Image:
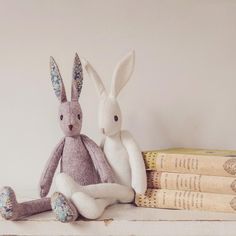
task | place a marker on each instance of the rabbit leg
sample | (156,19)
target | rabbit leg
(67,186)
(61,203)
(10,209)
(89,207)
(121,193)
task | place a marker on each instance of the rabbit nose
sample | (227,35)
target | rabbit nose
(70,127)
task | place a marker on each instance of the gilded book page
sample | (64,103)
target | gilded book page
(191,163)
(191,182)
(174,199)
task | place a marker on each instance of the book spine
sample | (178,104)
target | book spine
(191,182)
(186,200)
(191,164)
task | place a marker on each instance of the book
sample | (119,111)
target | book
(191,182)
(192,161)
(186,200)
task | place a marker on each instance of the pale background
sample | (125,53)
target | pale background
(183,91)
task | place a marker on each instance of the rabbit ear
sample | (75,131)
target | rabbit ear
(77,80)
(94,75)
(57,81)
(122,73)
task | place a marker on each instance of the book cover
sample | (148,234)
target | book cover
(191,182)
(192,161)
(186,200)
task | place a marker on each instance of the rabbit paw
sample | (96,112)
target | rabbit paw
(8,203)
(43,191)
(63,208)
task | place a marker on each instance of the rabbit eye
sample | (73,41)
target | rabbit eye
(61,117)
(78,116)
(115,118)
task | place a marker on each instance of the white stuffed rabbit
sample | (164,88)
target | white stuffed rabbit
(120,148)
(122,152)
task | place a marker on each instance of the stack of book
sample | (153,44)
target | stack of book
(191,179)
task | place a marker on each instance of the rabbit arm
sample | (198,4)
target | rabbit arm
(99,160)
(50,168)
(138,171)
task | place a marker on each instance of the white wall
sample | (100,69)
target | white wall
(183,92)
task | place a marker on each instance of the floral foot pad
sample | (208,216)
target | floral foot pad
(7,203)
(64,209)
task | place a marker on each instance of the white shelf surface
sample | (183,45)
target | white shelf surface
(126,219)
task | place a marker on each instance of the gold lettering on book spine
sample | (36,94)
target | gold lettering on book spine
(233,185)
(230,166)
(233,203)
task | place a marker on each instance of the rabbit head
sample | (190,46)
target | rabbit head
(110,118)
(70,114)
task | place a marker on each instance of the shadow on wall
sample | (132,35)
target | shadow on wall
(154,133)
(166,130)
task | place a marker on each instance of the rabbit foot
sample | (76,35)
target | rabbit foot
(63,208)
(8,204)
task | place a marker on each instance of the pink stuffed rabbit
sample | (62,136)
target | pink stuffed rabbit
(79,156)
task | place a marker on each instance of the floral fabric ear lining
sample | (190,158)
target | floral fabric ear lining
(78,75)
(57,82)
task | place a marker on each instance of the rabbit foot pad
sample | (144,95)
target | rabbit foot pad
(63,208)
(8,203)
